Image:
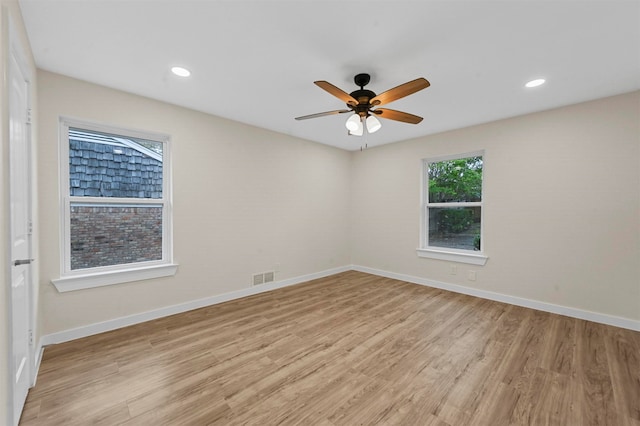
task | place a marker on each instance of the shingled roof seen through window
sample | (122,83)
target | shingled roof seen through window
(103,165)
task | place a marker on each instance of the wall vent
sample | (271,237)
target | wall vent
(258,279)
(263,277)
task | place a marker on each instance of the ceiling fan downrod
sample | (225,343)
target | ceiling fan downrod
(363,96)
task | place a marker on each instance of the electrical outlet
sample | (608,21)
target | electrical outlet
(471,275)
(453,269)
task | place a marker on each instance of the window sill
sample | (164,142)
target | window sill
(81,282)
(453,256)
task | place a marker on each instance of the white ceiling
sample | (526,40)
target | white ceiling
(255,61)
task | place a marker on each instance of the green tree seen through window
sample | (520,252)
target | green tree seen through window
(455,180)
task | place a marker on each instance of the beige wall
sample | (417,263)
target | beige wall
(245,199)
(562,203)
(562,206)
(9,13)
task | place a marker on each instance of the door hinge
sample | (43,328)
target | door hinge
(28,115)
(30,337)
(30,228)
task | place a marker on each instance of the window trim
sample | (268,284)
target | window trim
(445,253)
(114,274)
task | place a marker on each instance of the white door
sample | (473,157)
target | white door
(19,191)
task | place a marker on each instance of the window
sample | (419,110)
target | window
(116,206)
(452,209)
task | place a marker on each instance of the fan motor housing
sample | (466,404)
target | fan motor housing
(363,96)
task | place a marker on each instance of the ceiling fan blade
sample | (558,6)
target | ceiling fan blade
(322,114)
(401,91)
(392,114)
(337,92)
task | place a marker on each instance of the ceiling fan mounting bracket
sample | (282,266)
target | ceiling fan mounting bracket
(362,79)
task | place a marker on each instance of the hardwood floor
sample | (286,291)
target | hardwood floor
(350,349)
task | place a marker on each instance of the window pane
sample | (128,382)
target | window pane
(455,180)
(103,235)
(457,228)
(104,165)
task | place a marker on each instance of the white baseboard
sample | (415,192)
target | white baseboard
(101,327)
(39,352)
(96,328)
(512,300)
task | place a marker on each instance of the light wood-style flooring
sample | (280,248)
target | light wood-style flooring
(350,349)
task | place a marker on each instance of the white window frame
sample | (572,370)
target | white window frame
(444,253)
(114,274)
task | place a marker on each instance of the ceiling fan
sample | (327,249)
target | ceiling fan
(362,101)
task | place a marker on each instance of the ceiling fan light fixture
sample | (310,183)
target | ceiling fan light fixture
(353,123)
(373,124)
(358,132)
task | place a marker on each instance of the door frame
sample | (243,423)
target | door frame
(14,47)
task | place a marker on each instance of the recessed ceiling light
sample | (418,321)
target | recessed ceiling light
(535,83)
(182,72)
